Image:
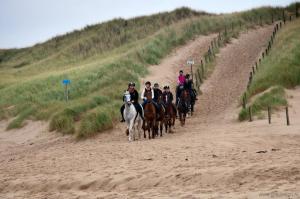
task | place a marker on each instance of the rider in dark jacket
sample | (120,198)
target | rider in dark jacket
(188,85)
(134,96)
(157,92)
(168,97)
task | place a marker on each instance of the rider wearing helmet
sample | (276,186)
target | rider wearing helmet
(148,91)
(157,92)
(181,78)
(157,95)
(168,97)
(188,85)
(180,84)
(134,96)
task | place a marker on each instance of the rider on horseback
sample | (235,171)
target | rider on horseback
(134,96)
(157,95)
(188,85)
(168,97)
(148,91)
(180,84)
(157,92)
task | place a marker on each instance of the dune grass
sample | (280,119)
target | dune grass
(280,69)
(30,79)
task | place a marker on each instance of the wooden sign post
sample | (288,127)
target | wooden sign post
(191,63)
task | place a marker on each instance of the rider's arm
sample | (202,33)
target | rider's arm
(136,97)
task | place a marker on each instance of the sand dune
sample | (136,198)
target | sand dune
(214,156)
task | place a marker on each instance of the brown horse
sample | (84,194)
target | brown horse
(170,116)
(183,106)
(150,117)
(160,121)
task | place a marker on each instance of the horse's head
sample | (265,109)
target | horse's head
(160,99)
(184,95)
(149,96)
(127,98)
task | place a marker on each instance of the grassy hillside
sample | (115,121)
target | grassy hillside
(279,70)
(99,60)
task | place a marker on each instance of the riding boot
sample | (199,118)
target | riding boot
(140,111)
(122,110)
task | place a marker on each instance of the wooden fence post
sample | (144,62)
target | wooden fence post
(250,114)
(287,115)
(269,114)
(260,19)
(202,69)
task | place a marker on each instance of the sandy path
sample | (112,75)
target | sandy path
(212,158)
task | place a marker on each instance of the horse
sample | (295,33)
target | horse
(160,121)
(150,117)
(170,116)
(192,101)
(183,106)
(132,118)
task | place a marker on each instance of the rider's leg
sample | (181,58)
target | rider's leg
(139,109)
(156,109)
(122,110)
(174,107)
(195,94)
(177,94)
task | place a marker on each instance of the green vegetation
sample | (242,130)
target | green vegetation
(279,70)
(99,60)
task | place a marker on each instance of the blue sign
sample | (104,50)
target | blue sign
(66,81)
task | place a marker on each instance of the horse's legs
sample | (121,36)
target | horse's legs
(161,127)
(149,127)
(154,127)
(139,127)
(131,131)
(144,128)
(166,126)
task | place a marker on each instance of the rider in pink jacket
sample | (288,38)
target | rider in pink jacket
(180,82)
(181,78)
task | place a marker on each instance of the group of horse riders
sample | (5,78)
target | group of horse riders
(158,97)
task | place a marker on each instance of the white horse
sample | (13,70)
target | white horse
(133,120)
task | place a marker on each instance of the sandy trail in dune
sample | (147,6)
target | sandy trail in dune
(214,156)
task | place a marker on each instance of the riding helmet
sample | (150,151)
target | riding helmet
(131,84)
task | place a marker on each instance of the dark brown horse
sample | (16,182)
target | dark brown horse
(170,116)
(183,106)
(150,117)
(160,121)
